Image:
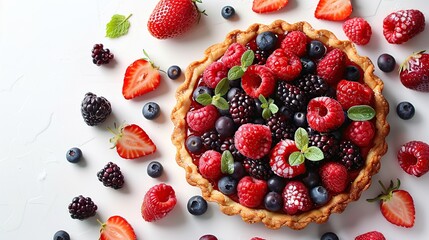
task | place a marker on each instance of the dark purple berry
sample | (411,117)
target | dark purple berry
(266,41)
(227,185)
(329,236)
(100,55)
(308,66)
(151,110)
(82,207)
(319,195)
(386,62)
(312,179)
(208,237)
(316,49)
(276,183)
(273,201)
(174,72)
(197,205)
(155,169)
(61,235)
(201,90)
(95,109)
(239,171)
(405,110)
(231,92)
(352,73)
(111,176)
(225,126)
(300,119)
(194,144)
(74,155)
(227,12)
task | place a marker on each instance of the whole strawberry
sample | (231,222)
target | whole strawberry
(414,72)
(172,18)
(401,26)
(373,235)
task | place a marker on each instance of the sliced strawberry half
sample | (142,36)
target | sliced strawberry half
(140,77)
(132,142)
(115,228)
(334,10)
(265,6)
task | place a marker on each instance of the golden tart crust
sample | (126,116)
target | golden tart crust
(271,219)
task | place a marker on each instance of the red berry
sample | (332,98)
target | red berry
(209,165)
(414,72)
(360,133)
(373,235)
(350,93)
(324,114)
(357,30)
(334,177)
(253,140)
(265,6)
(158,202)
(202,119)
(284,64)
(333,10)
(232,56)
(296,198)
(258,80)
(401,26)
(279,160)
(296,42)
(413,158)
(214,73)
(331,67)
(251,191)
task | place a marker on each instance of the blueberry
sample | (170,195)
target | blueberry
(224,112)
(239,171)
(74,155)
(405,110)
(276,183)
(225,126)
(285,111)
(316,49)
(266,41)
(154,169)
(174,72)
(194,144)
(151,110)
(61,235)
(312,179)
(197,205)
(273,201)
(308,66)
(231,93)
(329,236)
(227,12)
(386,62)
(319,195)
(259,109)
(260,121)
(235,83)
(200,90)
(352,73)
(227,185)
(208,237)
(300,119)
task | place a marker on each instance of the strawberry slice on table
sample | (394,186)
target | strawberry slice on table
(115,228)
(141,77)
(396,205)
(132,142)
(266,6)
(334,10)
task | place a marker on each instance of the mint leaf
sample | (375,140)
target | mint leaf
(266,113)
(247,58)
(273,108)
(118,26)
(361,113)
(262,99)
(301,138)
(227,163)
(220,102)
(235,72)
(313,154)
(222,87)
(296,158)
(204,99)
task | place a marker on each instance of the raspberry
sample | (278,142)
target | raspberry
(296,42)
(214,73)
(279,160)
(232,56)
(373,235)
(158,201)
(242,108)
(351,93)
(401,26)
(259,169)
(331,67)
(413,158)
(258,80)
(82,208)
(202,119)
(357,30)
(334,177)
(111,176)
(284,64)
(324,114)
(251,191)
(210,165)
(360,133)
(296,198)
(253,140)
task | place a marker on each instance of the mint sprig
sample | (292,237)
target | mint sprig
(237,72)
(311,153)
(118,26)
(361,113)
(227,162)
(217,100)
(268,107)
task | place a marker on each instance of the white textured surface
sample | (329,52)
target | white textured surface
(46,68)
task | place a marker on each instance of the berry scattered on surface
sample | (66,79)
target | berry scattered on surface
(197,205)
(158,201)
(331,66)
(131,142)
(253,140)
(100,55)
(329,236)
(174,72)
(154,169)
(350,93)
(111,176)
(373,235)
(296,198)
(210,165)
(117,227)
(413,158)
(316,49)
(258,80)
(82,208)
(251,191)
(414,72)
(202,119)
(352,73)
(324,114)
(360,133)
(228,185)
(141,77)
(295,42)
(319,195)
(208,237)
(265,6)
(194,144)
(402,25)
(214,73)
(273,201)
(95,109)
(266,41)
(74,155)
(333,10)
(232,55)
(386,62)
(151,110)
(357,30)
(279,160)
(227,12)
(61,235)
(405,110)
(284,64)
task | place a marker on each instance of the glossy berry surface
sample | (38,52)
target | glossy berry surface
(201,90)
(74,155)
(405,110)
(225,126)
(352,73)
(227,185)
(311,179)
(266,41)
(194,144)
(155,169)
(208,237)
(300,119)
(308,66)
(239,171)
(111,176)
(319,195)
(174,72)
(197,205)
(386,62)
(316,49)
(227,12)
(273,201)
(276,183)
(61,235)
(151,110)
(329,236)
(100,55)
(82,208)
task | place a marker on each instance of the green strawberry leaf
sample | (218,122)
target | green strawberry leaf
(247,58)
(296,158)
(222,87)
(227,163)
(220,102)
(235,73)
(361,113)
(118,26)
(301,139)
(313,154)
(204,99)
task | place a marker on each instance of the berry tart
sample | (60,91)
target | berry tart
(281,123)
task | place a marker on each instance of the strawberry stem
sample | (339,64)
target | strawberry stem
(387,192)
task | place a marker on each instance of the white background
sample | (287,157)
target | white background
(46,68)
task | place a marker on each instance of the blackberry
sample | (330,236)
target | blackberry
(259,169)
(291,97)
(100,55)
(281,127)
(228,144)
(111,176)
(82,207)
(95,109)
(211,140)
(349,154)
(242,108)
(261,56)
(313,85)
(327,143)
